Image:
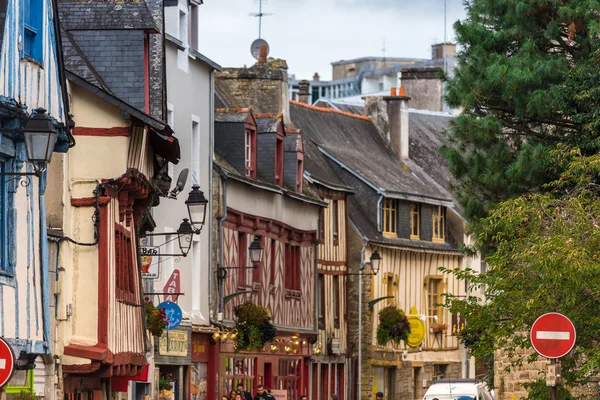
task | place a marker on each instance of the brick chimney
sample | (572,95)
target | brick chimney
(262,54)
(316,77)
(390,115)
(304,91)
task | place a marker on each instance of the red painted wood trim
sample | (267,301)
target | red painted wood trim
(114,131)
(332,263)
(89,201)
(81,369)
(103,278)
(98,353)
(129,358)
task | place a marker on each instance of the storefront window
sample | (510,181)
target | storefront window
(289,378)
(21,381)
(239,370)
(198,381)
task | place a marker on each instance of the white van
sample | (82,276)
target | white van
(457,389)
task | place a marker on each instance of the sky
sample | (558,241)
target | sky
(310,34)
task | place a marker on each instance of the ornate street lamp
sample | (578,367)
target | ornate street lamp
(196,204)
(255,250)
(185,234)
(375,262)
(40,139)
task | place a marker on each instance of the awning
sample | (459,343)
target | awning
(120,383)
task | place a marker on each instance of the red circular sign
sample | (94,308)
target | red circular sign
(553,335)
(7,362)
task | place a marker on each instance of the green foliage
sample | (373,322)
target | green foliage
(539,390)
(393,326)
(24,395)
(254,327)
(545,257)
(527,78)
(165,381)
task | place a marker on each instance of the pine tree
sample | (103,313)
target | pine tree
(526,80)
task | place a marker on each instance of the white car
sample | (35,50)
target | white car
(457,389)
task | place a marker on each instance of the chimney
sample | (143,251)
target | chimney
(262,55)
(316,77)
(304,91)
(390,115)
(437,50)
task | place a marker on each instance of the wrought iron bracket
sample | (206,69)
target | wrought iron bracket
(222,271)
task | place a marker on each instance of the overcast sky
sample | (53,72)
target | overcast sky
(310,34)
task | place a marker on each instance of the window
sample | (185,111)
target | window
(125,269)
(242,252)
(321,300)
(21,381)
(415,220)
(279,161)
(183,29)
(195,151)
(193,32)
(336,301)
(389,216)
(249,153)
(4,266)
(390,288)
(334,212)
(292,267)
(33,30)
(438,217)
(434,291)
(299,175)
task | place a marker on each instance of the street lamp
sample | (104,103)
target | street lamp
(185,234)
(375,265)
(40,139)
(255,249)
(196,204)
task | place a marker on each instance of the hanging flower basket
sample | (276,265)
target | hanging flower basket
(165,382)
(437,328)
(254,327)
(156,319)
(393,326)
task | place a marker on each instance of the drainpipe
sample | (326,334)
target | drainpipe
(219,232)
(379,227)
(211,136)
(44,262)
(362,265)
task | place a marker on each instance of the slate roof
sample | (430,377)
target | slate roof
(232,115)
(355,143)
(78,63)
(267,124)
(104,14)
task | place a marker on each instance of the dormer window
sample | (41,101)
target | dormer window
(33,30)
(415,221)
(439,224)
(389,217)
(279,161)
(250,153)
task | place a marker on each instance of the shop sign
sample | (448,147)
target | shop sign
(334,346)
(199,348)
(172,286)
(150,263)
(417,328)
(174,343)
(279,394)
(173,312)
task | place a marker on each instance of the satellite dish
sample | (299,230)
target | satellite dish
(255,47)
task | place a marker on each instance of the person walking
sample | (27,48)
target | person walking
(261,393)
(379,396)
(304,397)
(245,394)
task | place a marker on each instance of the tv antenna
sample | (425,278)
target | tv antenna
(383,48)
(260,14)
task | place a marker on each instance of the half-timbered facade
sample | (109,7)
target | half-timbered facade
(259,165)
(109,185)
(31,82)
(407,215)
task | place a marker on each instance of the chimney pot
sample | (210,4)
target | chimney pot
(304,91)
(402,91)
(316,77)
(392,91)
(262,55)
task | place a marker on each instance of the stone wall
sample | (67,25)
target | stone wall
(424,87)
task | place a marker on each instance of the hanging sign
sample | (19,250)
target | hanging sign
(173,313)
(172,286)
(150,263)
(417,329)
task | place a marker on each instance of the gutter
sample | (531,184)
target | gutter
(211,137)
(44,263)
(219,232)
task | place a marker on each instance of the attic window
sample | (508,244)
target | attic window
(33,30)
(389,216)
(279,162)
(250,153)
(439,225)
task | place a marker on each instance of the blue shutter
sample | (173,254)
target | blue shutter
(3,223)
(33,29)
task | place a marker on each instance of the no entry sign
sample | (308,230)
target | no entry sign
(7,362)
(553,335)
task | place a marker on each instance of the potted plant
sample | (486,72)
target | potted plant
(439,328)
(165,386)
(156,319)
(254,327)
(393,326)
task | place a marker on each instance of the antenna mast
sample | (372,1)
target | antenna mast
(383,49)
(260,14)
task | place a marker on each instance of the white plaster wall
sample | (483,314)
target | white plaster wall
(272,206)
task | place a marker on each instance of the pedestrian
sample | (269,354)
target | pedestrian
(269,395)
(232,394)
(238,396)
(245,394)
(224,397)
(379,396)
(304,397)
(261,393)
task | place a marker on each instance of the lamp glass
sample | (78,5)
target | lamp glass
(185,234)
(197,204)
(255,250)
(375,262)
(40,137)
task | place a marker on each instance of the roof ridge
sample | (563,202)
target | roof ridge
(233,110)
(330,110)
(269,115)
